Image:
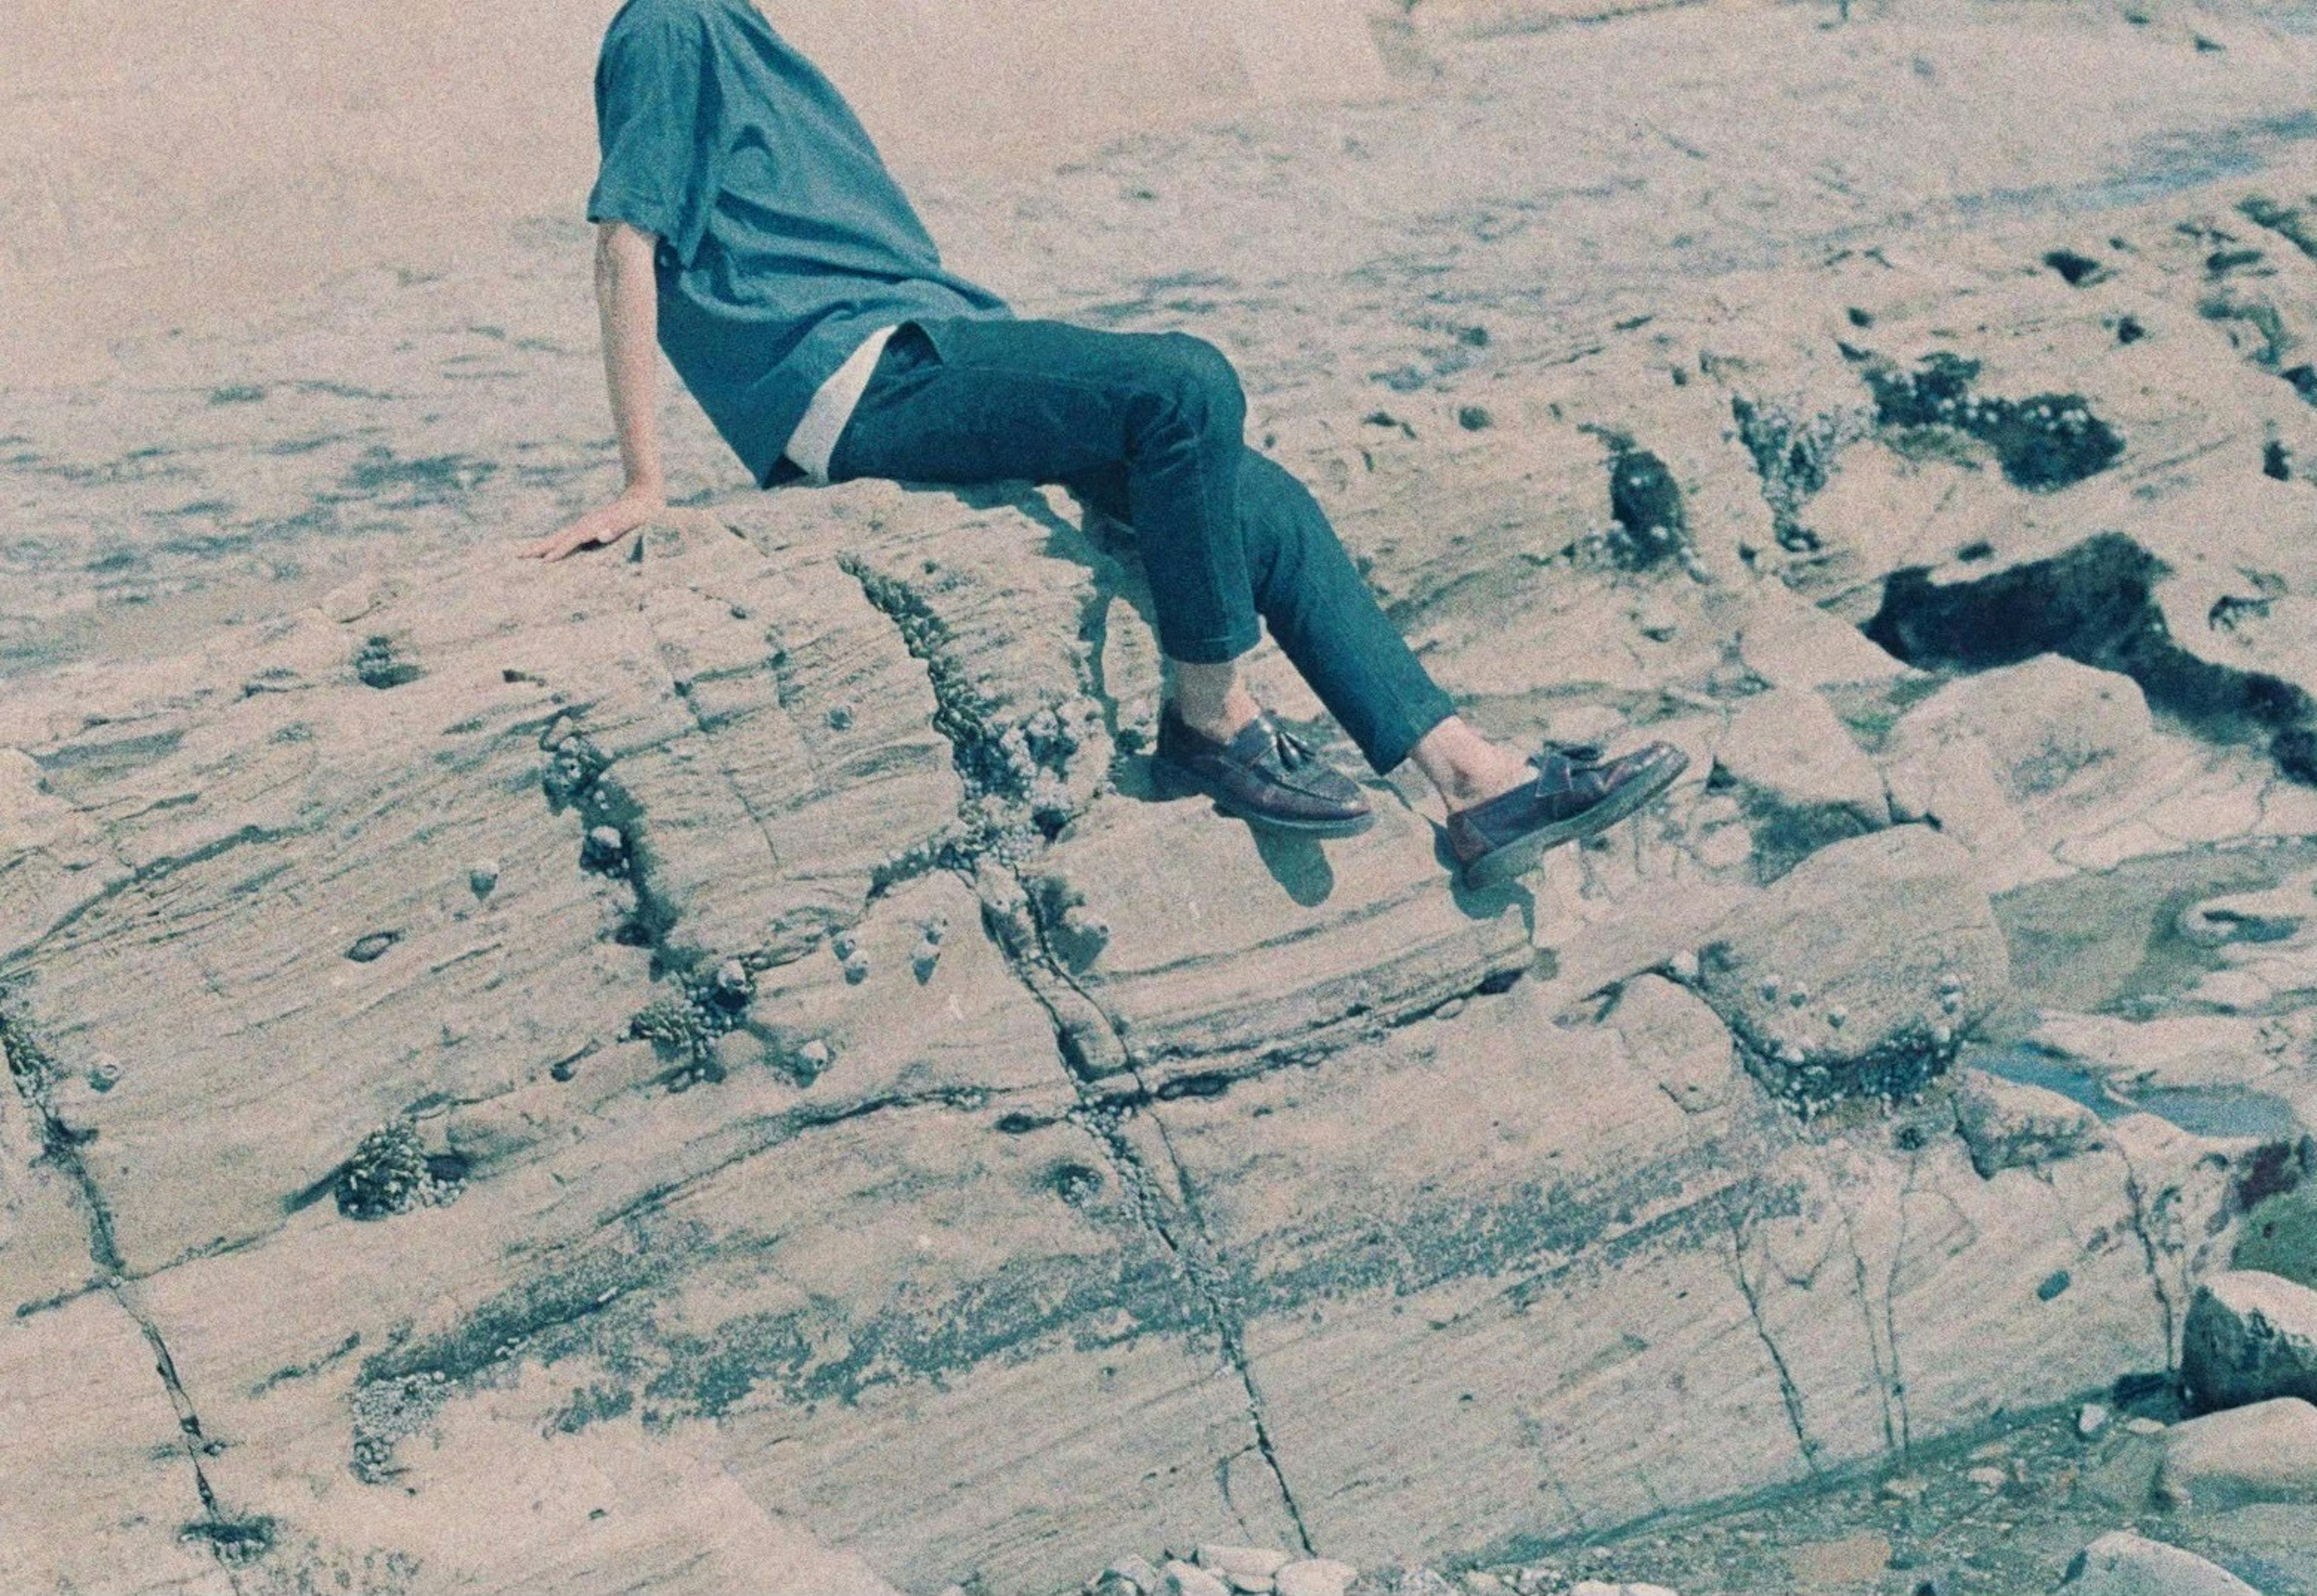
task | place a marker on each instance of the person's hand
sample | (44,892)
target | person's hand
(604,526)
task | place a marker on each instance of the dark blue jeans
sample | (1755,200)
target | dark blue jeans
(1148,429)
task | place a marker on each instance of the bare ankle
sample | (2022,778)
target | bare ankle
(1212,701)
(1466,768)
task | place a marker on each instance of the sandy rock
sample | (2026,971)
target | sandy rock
(2014,762)
(1792,643)
(1889,930)
(1674,1037)
(1314,1577)
(2011,1126)
(2125,1565)
(1220,940)
(2250,1336)
(2266,1452)
(2189,1051)
(1806,784)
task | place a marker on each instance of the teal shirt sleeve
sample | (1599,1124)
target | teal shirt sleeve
(656,119)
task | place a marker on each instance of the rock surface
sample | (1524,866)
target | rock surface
(1858,973)
(2125,1565)
(2250,1336)
(2267,1452)
(852,1101)
(2009,1125)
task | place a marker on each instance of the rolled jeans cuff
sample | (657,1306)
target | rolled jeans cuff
(1210,650)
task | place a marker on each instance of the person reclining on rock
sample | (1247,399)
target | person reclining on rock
(748,226)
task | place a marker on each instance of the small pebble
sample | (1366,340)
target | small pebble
(936,928)
(1134,1571)
(1905,1488)
(1314,1577)
(2091,1418)
(606,842)
(2146,1426)
(1683,967)
(1450,1009)
(1989,1478)
(1180,1578)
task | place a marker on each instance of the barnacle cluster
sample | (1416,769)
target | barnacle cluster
(682,1026)
(390,1172)
(388,1412)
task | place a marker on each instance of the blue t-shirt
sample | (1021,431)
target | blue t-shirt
(783,240)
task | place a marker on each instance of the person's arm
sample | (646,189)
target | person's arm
(627,298)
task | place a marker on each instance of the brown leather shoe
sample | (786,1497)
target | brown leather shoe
(1262,775)
(1577,793)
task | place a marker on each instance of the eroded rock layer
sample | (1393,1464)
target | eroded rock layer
(730,1037)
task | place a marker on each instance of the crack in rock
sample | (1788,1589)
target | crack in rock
(235,1540)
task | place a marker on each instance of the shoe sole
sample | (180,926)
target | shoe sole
(1174,781)
(1499,865)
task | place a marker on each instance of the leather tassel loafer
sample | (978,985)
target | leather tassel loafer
(1577,792)
(1262,775)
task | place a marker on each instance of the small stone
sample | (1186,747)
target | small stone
(2124,1565)
(2091,1418)
(605,844)
(1254,1562)
(2249,1336)
(482,875)
(1181,1579)
(1134,1571)
(2146,1426)
(840,717)
(1905,1488)
(1314,1577)
(1683,967)
(1988,1478)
